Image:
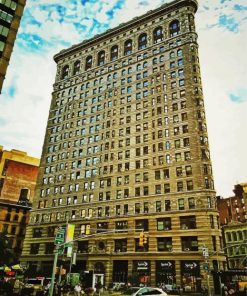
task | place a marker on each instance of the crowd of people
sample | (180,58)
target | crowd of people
(14,287)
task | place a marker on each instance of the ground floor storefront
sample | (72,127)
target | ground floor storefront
(189,275)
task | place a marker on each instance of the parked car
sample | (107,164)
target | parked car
(145,291)
(33,285)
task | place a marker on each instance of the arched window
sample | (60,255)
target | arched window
(174,28)
(24,194)
(155,61)
(65,72)
(128,47)
(172,54)
(145,64)
(179,52)
(7,217)
(158,34)
(89,62)
(114,53)
(142,41)
(76,69)
(101,58)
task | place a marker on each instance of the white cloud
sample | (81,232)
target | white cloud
(223,68)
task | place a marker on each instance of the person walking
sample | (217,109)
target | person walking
(47,288)
(77,290)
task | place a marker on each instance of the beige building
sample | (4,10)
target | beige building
(126,148)
(235,234)
(10,16)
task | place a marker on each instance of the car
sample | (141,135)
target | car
(144,291)
(35,284)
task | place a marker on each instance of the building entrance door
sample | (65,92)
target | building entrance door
(98,278)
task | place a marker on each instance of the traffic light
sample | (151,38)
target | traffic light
(141,239)
(145,239)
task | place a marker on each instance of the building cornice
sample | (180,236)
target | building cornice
(124,26)
(12,204)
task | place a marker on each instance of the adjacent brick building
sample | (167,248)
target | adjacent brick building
(233,219)
(18,175)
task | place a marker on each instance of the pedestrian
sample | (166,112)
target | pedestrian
(204,291)
(59,288)
(17,287)
(47,288)
(225,292)
(77,290)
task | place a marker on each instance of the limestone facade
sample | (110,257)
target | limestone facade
(126,148)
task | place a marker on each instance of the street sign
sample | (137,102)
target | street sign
(60,236)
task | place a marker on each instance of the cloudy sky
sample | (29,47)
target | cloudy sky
(49,26)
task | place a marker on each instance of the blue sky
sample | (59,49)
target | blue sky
(49,26)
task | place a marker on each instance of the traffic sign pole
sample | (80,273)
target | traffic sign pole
(53,272)
(206,267)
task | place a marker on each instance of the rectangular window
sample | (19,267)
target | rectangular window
(191,202)
(164,224)
(167,205)
(189,243)
(145,207)
(120,245)
(181,204)
(167,188)
(158,206)
(164,244)
(179,186)
(141,224)
(188,222)
(137,208)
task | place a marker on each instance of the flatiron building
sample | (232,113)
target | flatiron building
(126,148)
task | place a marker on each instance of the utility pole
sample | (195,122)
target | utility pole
(206,267)
(59,245)
(54,270)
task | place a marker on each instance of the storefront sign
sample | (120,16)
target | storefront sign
(141,265)
(190,266)
(165,265)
